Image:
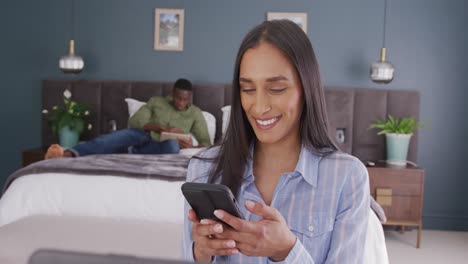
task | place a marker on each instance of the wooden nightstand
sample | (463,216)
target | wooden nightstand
(33,155)
(399,190)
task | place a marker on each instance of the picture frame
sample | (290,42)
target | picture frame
(169,29)
(299,18)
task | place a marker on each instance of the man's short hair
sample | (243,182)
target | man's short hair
(183,84)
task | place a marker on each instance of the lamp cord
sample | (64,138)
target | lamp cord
(72,16)
(384,23)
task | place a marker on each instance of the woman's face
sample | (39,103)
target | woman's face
(271,94)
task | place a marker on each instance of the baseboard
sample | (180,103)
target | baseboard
(445,222)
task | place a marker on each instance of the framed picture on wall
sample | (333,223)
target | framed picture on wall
(169,29)
(299,18)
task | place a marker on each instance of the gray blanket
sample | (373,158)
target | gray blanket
(169,167)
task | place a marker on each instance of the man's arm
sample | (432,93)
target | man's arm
(140,118)
(158,128)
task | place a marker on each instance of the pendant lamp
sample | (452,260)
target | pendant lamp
(382,71)
(71,63)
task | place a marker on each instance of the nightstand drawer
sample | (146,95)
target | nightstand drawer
(401,183)
(402,208)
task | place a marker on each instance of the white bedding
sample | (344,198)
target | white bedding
(90,195)
(57,194)
(68,194)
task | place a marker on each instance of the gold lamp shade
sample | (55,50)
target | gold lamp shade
(382,71)
(71,63)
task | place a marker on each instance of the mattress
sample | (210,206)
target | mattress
(121,198)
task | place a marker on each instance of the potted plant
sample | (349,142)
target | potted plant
(69,120)
(398,133)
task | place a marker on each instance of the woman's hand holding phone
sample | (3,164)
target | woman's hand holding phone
(269,237)
(207,243)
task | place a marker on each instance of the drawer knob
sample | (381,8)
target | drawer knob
(384,196)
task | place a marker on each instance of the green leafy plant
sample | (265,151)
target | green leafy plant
(71,114)
(395,125)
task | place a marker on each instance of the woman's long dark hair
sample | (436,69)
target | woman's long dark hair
(234,152)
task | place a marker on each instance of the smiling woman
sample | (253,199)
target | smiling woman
(304,201)
(271,95)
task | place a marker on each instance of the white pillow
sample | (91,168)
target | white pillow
(226,115)
(135,105)
(211,124)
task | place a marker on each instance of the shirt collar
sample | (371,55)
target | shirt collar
(307,165)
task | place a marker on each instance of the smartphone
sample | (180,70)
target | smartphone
(205,198)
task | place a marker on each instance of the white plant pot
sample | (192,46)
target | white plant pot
(397,148)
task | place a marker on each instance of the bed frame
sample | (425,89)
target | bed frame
(350,110)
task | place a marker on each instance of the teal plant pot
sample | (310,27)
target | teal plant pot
(397,148)
(68,137)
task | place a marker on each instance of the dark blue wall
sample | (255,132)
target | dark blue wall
(426,41)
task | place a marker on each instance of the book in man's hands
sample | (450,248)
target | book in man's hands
(168,135)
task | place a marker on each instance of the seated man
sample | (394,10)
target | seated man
(175,115)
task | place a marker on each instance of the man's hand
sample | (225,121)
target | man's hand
(158,128)
(269,237)
(174,130)
(154,127)
(185,144)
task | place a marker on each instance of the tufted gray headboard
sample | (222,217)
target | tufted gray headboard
(107,101)
(350,110)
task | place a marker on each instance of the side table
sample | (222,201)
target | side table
(399,190)
(33,155)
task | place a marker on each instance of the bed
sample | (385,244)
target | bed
(74,210)
(127,205)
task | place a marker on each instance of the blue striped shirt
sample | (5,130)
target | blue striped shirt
(325,202)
